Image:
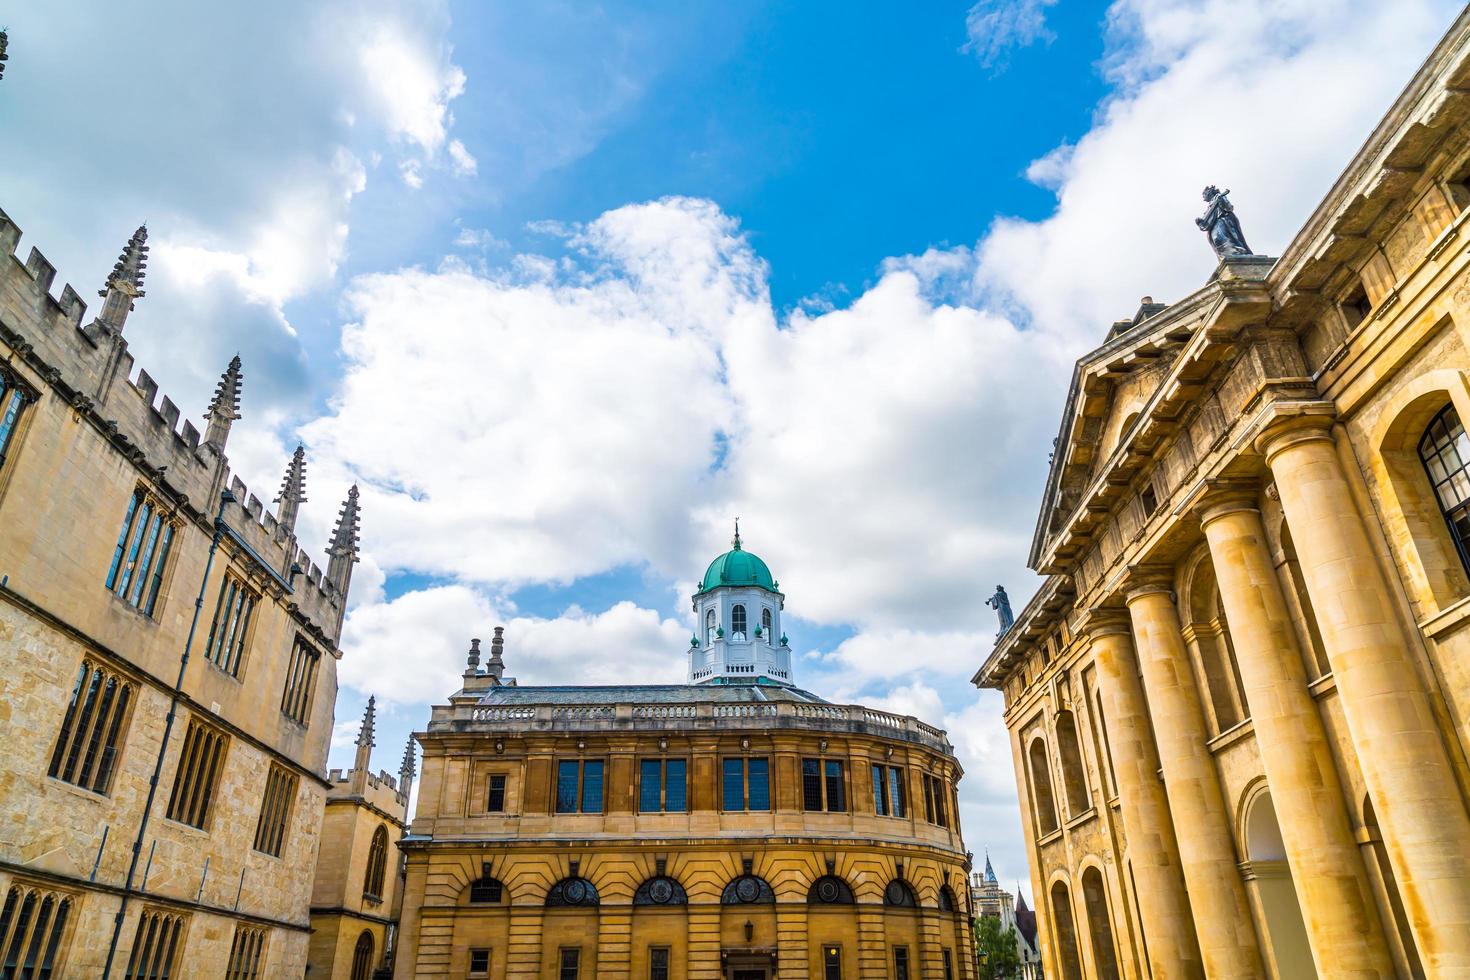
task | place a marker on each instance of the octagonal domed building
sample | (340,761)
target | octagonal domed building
(735,827)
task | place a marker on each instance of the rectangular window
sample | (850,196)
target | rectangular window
(247,952)
(759,795)
(948,964)
(495,803)
(479,962)
(12,399)
(900,963)
(733,795)
(811,784)
(880,791)
(661,786)
(896,794)
(300,681)
(226,646)
(571,963)
(831,963)
(33,932)
(136,573)
(836,791)
(579,786)
(658,963)
(200,763)
(91,730)
(275,811)
(156,946)
(928,798)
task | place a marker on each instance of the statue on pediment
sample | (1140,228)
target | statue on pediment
(1221,226)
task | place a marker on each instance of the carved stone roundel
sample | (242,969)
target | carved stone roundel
(575,892)
(661,891)
(747,890)
(827,891)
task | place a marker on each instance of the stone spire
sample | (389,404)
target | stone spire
(345,540)
(224,407)
(990,878)
(496,667)
(407,770)
(126,282)
(293,490)
(364,746)
(472,659)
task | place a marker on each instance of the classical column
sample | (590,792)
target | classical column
(1152,850)
(1405,763)
(1222,916)
(1332,886)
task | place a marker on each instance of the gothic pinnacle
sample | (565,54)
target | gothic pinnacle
(369,718)
(293,489)
(408,769)
(126,282)
(344,549)
(224,407)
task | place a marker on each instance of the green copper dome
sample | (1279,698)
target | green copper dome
(738,567)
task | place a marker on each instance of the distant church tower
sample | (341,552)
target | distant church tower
(738,633)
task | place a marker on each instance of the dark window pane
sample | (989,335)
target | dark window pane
(836,794)
(592,787)
(658,964)
(649,778)
(896,793)
(901,963)
(760,785)
(733,795)
(571,961)
(831,963)
(880,798)
(496,802)
(674,786)
(479,961)
(566,787)
(811,784)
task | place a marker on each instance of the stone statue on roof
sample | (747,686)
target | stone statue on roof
(1221,226)
(1001,603)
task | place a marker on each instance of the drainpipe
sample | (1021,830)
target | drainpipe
(225,498)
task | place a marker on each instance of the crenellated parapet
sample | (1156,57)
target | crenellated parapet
(87,364)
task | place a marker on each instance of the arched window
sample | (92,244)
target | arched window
(1445,449)
(362,956)
(766,625)
(900,893)
(377,863)
(830,890)
(660,890)
(710,625)
(737,622)
(748,889)
(487,891)
(1064,931)
(1043,805)
(946,899)
(572,892)
(1095,897)
(1074,776)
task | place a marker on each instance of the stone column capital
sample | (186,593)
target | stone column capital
(1103,621)
(1224,497)
(1293,430)
(1147,580)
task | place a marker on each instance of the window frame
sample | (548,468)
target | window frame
(100,722)
(247,959)
(375,874)
(739,621)
(46,945)
(579,805)
(831,961)
(277,806)
(656,970)
(824,777)
(174,931)
(195,790)
(298,694)
(901,963)
(480,971)
(144,544)
(746,782)
(575,966)
(662,765)
(490,790)
(228,655)
(1462,506)
(15,396)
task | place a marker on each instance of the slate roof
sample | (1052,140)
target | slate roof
(649,694)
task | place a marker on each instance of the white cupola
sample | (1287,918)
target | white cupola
(737,610)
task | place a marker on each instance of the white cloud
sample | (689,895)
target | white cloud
(464,163)
(994,27)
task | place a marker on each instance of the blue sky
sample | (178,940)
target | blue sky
(567,287)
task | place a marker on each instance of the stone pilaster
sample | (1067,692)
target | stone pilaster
(791,941)
(704,942)
(1222,917)
(615,942)
(1404,760)
(1153,852)
(523,952)
(1332,887)
(872,944)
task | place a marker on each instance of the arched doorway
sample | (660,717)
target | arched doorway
(1064,932)
(1099,927)
(1278,911)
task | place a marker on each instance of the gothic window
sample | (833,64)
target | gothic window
(362,956)
(32,932)
(247,953)
(570,892)
(746,785)
(86,750)
(660,890)
(201,760)
(766,625)
(275,811)
(829,890)
(579,786)
(900,894)
(156,946)
(226,644)
(486,891)
(710,625)
(300,681)
(1445,451)
(136,573)
(12,399)
(748,889)
(661,786)
(737,622)
(377,863)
